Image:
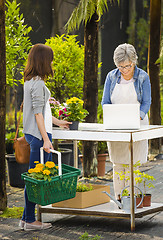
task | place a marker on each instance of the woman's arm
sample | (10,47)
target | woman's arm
(146,97)
(106,91)
(41,126)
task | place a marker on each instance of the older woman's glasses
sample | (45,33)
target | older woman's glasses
(127,67)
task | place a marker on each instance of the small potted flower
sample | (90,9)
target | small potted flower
(74,112)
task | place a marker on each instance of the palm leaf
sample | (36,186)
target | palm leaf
(84,11)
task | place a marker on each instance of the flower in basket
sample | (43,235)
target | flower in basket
(55,106)
(43,171)
(73,110)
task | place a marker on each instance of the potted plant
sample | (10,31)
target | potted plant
(14,169)
(102,155)
(101,158)
(140,177)
(74,112)
(9,137)
(146,179)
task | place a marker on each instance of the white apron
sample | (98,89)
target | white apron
(119,151)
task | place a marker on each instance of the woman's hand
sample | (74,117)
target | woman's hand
(64,124)
(47,146)
(61,123)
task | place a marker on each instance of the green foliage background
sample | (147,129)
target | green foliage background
(17,42)
(68,65)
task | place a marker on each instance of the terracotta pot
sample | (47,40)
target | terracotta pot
(101,164)
(147,200)
(101,158)
(138,199)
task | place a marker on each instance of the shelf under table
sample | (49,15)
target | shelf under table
(103,210)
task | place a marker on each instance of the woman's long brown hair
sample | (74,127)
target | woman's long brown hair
(39,62)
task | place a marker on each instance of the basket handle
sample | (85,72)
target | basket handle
(59,159)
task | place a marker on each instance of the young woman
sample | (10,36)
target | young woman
(127,84)
(37,119)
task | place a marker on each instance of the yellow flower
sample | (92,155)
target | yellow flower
(39,165)
(36,162)
(31,170)
(56,167)
(50,164)
(68,101)
(37,170)
(46,172)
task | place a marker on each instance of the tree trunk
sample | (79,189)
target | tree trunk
(3,195)
(153,69)
(91,92)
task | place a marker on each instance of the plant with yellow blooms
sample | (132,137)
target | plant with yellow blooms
(73,110)
(43,171)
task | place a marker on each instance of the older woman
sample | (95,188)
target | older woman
(127,84)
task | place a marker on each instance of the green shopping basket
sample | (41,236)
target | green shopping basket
(60,188)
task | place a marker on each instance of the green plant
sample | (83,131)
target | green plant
(17,42)
(15,212)
(43,171)
(9,137)
(10,126)
(17,47)
(68,67)
(145,178)
(85,236)
(140,177)
(73,110)
(81,187)
(102,147)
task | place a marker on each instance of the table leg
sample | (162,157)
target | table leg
(75,154)
(38,213)
(132,187)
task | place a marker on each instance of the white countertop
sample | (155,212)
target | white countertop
(96,132)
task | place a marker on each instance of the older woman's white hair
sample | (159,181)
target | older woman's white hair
(125,52)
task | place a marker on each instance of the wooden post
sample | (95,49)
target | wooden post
(132,187)
(38,213)
(75,154)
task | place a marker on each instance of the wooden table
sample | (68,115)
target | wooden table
(96,132)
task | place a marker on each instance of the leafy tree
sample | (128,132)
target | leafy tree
(68,67)
(89,13)
(17,46)
(17,42)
